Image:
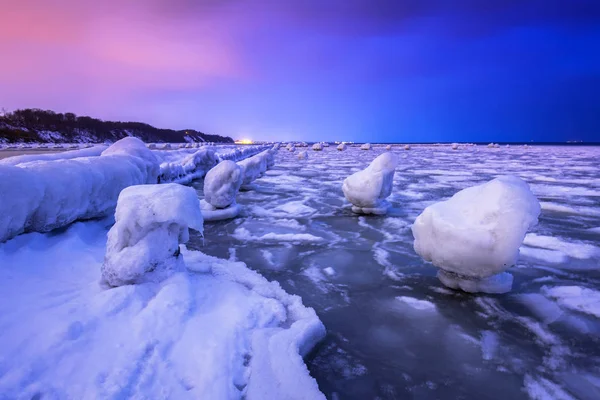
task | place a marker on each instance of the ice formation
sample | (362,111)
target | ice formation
(221,185)
(368,189)
(150,223)
(317,147)
(303,155)
(475,235)
(366,146)
(341,147)
(388,147)
(66,155)
(45,195)
(454,146)
(407,147)
(254,166)
(192,166)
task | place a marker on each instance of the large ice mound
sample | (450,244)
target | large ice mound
(150,223)
(476,234)
(368,189)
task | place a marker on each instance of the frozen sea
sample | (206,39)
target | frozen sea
(393,331)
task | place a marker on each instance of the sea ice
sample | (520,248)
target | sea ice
(150,223)
(368,189)
(476,234)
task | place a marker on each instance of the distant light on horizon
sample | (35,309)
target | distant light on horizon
(244,141)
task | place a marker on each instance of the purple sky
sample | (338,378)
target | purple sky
(379,70)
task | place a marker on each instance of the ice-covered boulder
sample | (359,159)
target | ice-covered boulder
(366,146)
(150,223)
(474,236)
(222,183)
(254,166)
(388,147)
(368,189)
(341,147)
(291,148)
(325,144)
(490,146)
(212,213)
(303,155)
(454,146)
(317,147)
(406,147)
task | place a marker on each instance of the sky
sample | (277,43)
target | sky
(354,70)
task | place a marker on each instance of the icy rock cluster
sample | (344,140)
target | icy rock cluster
(40,196)
(317,147)
(368,189)
(366,146)
(221,185)
(341,147)
(474,236)
(150,223)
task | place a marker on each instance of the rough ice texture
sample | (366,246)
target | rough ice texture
(212,213)
(317,147)
(64,155)
(150,223)
(368,189)
(366,146)
(478,231)
(45,195)
(222,183)
(341,147)
(575,298)
(303,155)
(255,166)
(217,330)
(190,167)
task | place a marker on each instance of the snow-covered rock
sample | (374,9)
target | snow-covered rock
(44,195)
(317,147)
(366,146)
(454,146)
(254,166)
(406,147)
(303,155)
(222,183)
(368,189)
(151,221)
(388,147)
(476,234)
(341,147)
(325,144)
(189,167)
(490,146)
(291,148)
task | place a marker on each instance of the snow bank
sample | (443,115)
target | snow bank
(65,155)
(150,223)
(341,147)
(368,189)
(317,147)
(217,330)
(366,146)
(477,233)
(45,195)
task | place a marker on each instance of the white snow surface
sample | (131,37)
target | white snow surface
(370,187)
(478,231)
(222,183)
(45,195)
(150,223)
(216,331)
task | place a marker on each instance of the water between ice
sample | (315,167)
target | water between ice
(393,330)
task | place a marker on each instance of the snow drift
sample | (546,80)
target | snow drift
(476,234)
(368,189)
(45,195)
(150,223)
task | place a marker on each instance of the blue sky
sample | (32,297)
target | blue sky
(380,70)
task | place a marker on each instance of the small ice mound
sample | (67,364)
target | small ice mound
(476,234)
(495,284)
(212,213)
(303,155)
(317,147)
(406,147)
(490,146)
(150,223)
(496,146)
(291,148)
(222,183)
(388,147)
(454,146)
(341,147)
(366,146)
(368,189)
